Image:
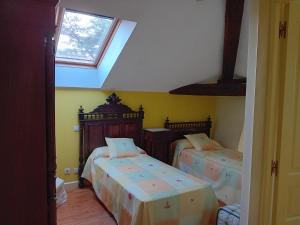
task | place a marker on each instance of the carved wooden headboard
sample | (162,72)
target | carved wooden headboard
(179,129)
(112,119)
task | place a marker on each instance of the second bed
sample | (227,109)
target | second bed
(221,167)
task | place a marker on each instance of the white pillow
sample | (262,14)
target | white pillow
(202,142)
(198,140)
(121,147)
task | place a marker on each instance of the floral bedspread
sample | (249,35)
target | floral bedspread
(222,168)
(141,190)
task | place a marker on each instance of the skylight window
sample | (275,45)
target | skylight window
(83,38)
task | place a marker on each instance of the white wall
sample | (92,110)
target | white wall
(230,114)
(175,42)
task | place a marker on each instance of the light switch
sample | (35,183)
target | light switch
(75,170)
(76,128)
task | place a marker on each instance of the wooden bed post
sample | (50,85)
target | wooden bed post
(81,157)
(167,122)
(209,125)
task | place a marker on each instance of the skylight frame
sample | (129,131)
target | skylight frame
(101,52)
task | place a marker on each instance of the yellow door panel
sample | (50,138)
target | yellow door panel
(288,192)
(295,166)
(293,200)
(292,222)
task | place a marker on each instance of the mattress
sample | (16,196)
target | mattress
(222,168)
(141,190)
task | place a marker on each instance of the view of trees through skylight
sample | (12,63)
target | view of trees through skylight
(82,37)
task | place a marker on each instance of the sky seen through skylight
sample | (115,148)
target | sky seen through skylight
(82,36)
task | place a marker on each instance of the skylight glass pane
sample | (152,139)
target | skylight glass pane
(82,36)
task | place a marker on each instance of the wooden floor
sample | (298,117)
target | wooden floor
(83,208)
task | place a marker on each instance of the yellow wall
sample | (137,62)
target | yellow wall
(157,107)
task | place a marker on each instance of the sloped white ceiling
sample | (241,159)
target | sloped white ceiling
(175,42)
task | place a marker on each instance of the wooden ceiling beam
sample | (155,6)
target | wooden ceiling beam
(233,22)
(226,85)
(220,89)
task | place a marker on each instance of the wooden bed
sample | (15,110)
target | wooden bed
(222,167)
(112,119)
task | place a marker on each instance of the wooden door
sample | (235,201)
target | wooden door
(27,113)
(287,201)
(24,144)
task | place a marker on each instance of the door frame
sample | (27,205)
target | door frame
(262,114)
(254,117)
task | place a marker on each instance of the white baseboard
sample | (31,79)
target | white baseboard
(69,186)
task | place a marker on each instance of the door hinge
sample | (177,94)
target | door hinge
(282,29)
(274,168)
